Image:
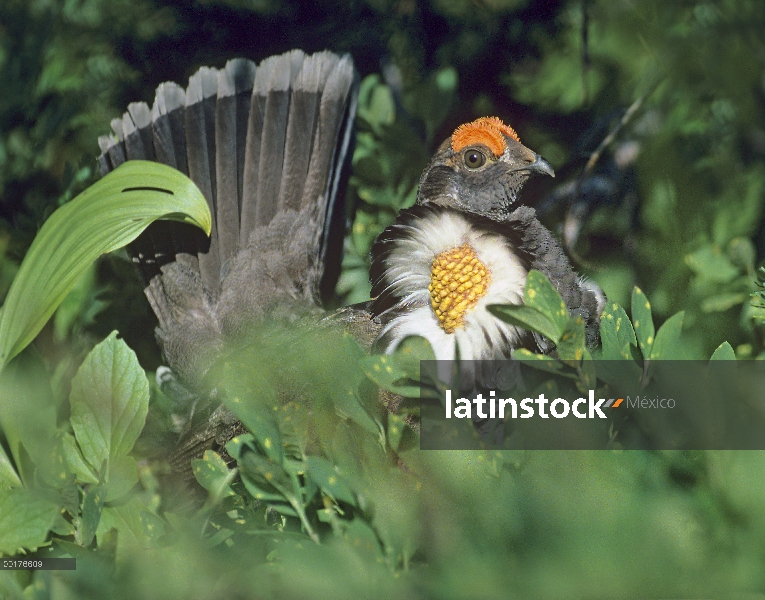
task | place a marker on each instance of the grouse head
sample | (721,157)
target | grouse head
(480,169)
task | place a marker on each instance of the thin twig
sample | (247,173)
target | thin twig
(595,157)
(608,140)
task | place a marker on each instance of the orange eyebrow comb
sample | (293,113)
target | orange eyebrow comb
(487,131)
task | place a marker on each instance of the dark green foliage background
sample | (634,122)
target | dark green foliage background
(682,219)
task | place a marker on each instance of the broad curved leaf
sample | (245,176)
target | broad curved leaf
(108,215)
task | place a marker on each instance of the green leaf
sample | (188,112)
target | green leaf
(527,318)
(69,498)
(539,361)
(284,509)
(642,321)
(25,519)
(410,352)
(588,373)
(153,526)
(109,402)
(540,294)
(264,472)
(400,372)
(218,538)
(724,352)
(81,469)
(360,536)
(668,345)
(711,263)
(108,215)
(384,371)
(348,405)
(123,475)
(213,474)
(256,411)
(369,170)
(722,302)
(8,476)
(742,254)
(396,427)
(126,519)
(262,493)
(92,505)
(376,104)
(28,415)
(63,528)
(616,333)
(79,304)
(55,471)
(571,345)
(237,445)
(325,474)
(304,487)
(432,100)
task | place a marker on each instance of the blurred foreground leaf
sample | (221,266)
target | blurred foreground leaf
(25,519)
(28,416)
(213,474)
(8,476)
(400,372)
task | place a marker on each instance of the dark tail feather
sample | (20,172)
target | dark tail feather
(302,126)
(274,83)
(201,98)
(112,148)
(169,136)
(332,108)
(169,127)
(252,159)
(135,127)
(235,83)
(338,111)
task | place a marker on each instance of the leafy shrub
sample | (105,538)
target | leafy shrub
(681,217)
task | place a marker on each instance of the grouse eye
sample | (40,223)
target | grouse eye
(474,159)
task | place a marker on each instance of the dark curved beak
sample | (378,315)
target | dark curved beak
(540,165)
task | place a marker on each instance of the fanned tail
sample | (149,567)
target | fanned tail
(266,146)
